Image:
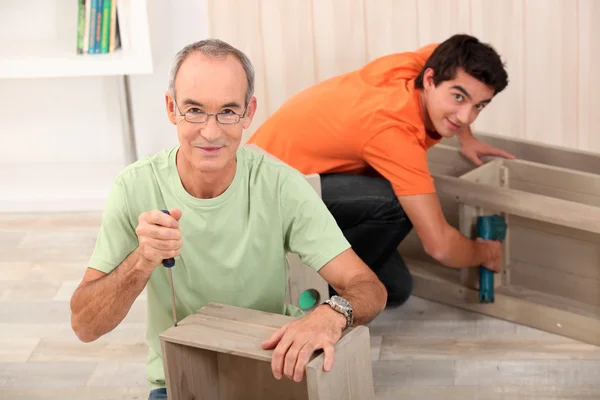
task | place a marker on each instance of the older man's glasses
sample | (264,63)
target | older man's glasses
(226,117)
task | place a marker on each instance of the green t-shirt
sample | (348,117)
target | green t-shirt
(234,246)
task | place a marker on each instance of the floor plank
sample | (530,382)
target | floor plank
(489,393)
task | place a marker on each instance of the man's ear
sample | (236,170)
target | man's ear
(428,78)
(252,106)
(170,104)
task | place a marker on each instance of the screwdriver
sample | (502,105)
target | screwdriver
(170,263)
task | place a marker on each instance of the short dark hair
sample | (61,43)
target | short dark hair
(477,59)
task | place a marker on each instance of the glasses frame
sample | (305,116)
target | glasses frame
(208,115)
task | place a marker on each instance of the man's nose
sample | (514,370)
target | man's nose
(465,115)
(211,130)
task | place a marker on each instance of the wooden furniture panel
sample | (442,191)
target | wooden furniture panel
(551,274)
(216,354)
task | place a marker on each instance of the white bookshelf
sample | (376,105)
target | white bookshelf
(38,39)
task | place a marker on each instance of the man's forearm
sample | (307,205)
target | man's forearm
(368,298)
(99,306)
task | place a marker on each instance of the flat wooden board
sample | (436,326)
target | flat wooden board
(550,313)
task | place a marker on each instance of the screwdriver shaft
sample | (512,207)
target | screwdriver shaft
(172,297)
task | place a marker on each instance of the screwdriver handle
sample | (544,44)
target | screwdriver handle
(169,262)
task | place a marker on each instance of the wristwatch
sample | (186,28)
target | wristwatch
(342,306)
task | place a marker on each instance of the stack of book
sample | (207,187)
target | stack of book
(97,27)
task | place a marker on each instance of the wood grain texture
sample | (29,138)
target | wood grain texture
(244,378)
(224,344)
(546,312)
(351,377)
(524,204)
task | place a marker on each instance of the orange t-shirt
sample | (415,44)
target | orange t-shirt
(365,120)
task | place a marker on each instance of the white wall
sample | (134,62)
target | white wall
(62,138)
(174,24)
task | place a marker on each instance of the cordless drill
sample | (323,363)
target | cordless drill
(489,227)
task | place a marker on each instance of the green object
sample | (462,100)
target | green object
(489,227)
(307,299)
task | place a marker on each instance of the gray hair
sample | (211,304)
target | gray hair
(213,48)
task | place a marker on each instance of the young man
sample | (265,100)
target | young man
(367,133)
(233,216)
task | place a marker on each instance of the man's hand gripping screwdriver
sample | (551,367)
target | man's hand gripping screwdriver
(170,263)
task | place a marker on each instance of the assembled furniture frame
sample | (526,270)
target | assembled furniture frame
(216,354)
(550,197)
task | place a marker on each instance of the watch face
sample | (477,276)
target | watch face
(342,302)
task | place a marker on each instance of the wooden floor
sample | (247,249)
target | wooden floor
(422,350)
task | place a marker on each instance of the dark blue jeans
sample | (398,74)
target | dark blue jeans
(158,394)
(372,220)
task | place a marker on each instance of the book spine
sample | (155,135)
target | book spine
(86,28)
(106,18)
(113,27)
(98,34)
(81,17)
(92,31)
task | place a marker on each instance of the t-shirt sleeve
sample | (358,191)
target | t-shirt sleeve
(309,229)
(398,156)
(117,238)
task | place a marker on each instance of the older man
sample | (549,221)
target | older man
(233,216)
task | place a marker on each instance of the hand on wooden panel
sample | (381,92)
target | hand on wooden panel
(493,249)
(296,342)
(472,149)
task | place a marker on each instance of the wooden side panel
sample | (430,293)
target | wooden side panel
(556,260)
(551,155)
(526,307)
(248,379)
(352,375)
(557,182)
(191,373)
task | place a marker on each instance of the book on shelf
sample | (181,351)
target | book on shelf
(97,27)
